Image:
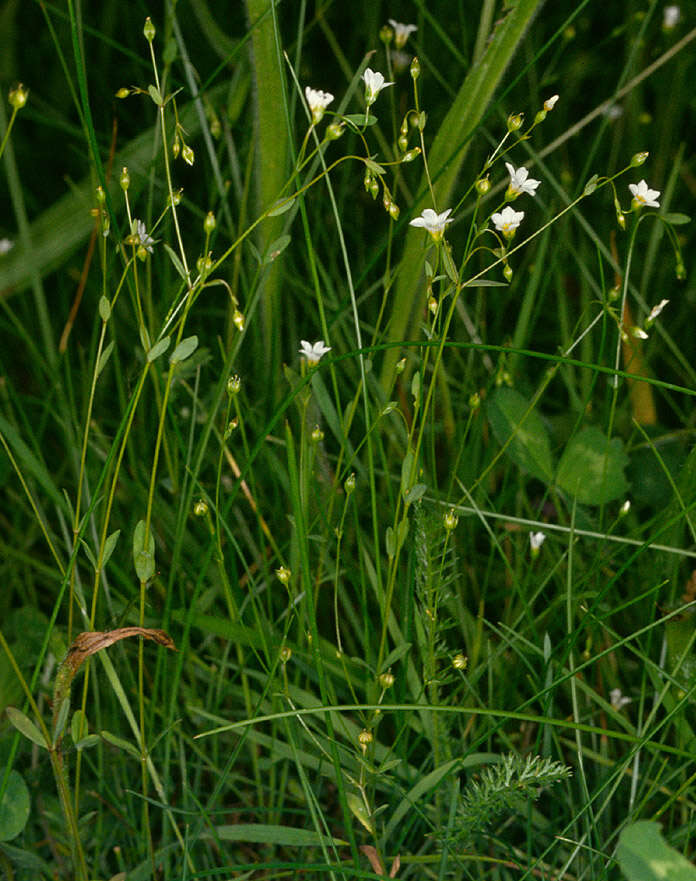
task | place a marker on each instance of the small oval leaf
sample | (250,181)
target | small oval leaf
(159,348)
(281,206)
(184,350)
(104,308)
(25,726)
(105,355)
(14,807)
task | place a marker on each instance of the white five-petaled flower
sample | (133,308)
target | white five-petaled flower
(643,196)
(520,182)
(550,103)
(313,352)
(536,540)
(5,246)
(145,240)
(507,220)
(401,32)
(433,222)
(317,101)
(670,17)
(618,701)
(374,83)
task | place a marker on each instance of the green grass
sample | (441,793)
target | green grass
(316,640)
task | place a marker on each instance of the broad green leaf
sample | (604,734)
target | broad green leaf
(416,492)
(184,350)
(281,206)
(120,743)
(286,836)
(25,726)
(591,185)
(592,468)
(358,119)
(109,546)
(644,855)
(143,557)
(105,355)
(359,811)
(104,308)
(159,348)
(78,726)
(276,248)
(677,219)
(520,428)
(14,807)
(155,94)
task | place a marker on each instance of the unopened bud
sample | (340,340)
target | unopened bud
(176,147)
(238,320)
(450,520)
(638,159)
(402,143)
(101,196)
(483,185)
(680,270)
(614,293)
(625,508)
(283,574)
(124,180)
(200,509)
(18,97)
(285,654)
(349,484)
(234,384)
(209,223)
(432,305)
(187,154)
(400,366)
(149,30)
(475,401)
(411,154)
(334,131)
(459,662)
(415,69)
(507,272)
(386,35)
(386,680)
(123,92)
(394,211)
(317,435)
(365,739)
(515,122)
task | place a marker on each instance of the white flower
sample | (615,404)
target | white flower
(433,222)
(639,333)
(536,540)
(670,17)
(313,352)
(400,60)
(317,101)
(550,103)
(520,182)
(613,111)
(145,240)
(617,699)
(643,196)
(374,83)
(401,32)
(655,311)
(507,220)
(5,246)
(625,508)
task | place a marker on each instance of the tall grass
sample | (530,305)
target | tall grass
(415,602)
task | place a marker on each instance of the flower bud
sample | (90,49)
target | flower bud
(349,484)
(200,508)
(394,210)
(209,223)
(232,426)
(386,35)
(482,185)
(507,272)
(238,320)
(614,293)
(415,69)
(639,159)
(285,654)
(625,508)
(411,154)
(386,680)
(283,574)
(176,147)
(187,154)
(515,122)
(402,143)
(475,401)
(149,30)
(334,131)
(175,198)
(450,520)
(234,384)
(124,180)
(460,661)
(123,92)
(317,435)
(365,739)
(680,270)
(621,219)
(432,305)
(18,97)
(400,366)
(101,196)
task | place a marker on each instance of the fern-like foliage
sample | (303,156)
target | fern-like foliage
(505,787)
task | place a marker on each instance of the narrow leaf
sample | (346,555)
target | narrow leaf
(281,206)
(104,357)
(109,546)
(174,257)
(25,726)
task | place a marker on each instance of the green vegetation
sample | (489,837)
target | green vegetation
(347,473)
